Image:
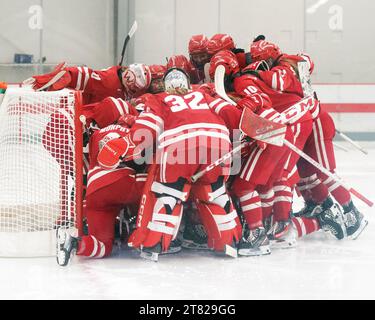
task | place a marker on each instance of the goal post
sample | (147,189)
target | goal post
(40,169)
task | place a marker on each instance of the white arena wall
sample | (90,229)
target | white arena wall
(91,32)
(352,107)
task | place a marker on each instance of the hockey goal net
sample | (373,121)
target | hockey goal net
(40,169)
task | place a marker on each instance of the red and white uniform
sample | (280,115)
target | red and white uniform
(108,191)
(96,84)
(313,185)
(189,137)
(187,124)
(108,111)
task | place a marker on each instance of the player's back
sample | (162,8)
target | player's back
(186,116)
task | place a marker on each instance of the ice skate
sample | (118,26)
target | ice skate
(355,222)
(332,220)
(66,246)
(312,209)
(194,237)
(254,242)
(282,235)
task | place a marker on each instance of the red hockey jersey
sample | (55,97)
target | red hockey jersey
(180,118)
(96,84)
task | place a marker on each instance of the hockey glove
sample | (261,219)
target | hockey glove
(126,120)
(112,152)
(56,80)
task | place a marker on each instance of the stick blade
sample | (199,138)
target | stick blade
(262,129)
(133,29)
(219,84)
(56,78)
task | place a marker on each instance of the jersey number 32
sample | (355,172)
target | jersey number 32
(193,100)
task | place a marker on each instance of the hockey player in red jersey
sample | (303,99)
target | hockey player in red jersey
(105,196)
(286,76)
(190,137)
(219,42)
(198,51)
(264,184)
(116,81)
(199,56)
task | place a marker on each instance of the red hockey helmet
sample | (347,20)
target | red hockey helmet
(180,62)
(136,78)
(198,44)
(264,50)
(157,74)
(227,59)
(157,71)
(220,42)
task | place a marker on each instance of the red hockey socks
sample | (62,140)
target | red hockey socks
(252,209)
(89,246)
(305,226)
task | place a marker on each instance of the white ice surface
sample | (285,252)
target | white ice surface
(319,268)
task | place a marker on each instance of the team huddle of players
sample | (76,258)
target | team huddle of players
(150,129)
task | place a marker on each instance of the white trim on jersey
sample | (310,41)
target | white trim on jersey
(213,103)
(152,116)
(118,106)
(186,136)
(100,172)
(79,78)
(254,162)
(150,125)
(200,125)
(218,108)
(87,77)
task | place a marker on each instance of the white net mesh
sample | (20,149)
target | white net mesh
(37,170)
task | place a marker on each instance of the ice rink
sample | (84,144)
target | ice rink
(318,268)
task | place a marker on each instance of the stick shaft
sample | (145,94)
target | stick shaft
(213,165)
(328,173)
(127,38)
(355,144)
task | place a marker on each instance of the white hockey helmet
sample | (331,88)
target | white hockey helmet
(136,78)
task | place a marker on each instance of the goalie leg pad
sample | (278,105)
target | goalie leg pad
(218,214)
(163,216)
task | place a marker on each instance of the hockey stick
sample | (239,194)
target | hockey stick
(219,161)
(219,84)
(133,29)
(340,147)
(253,118)
(273,133)
(56,78)
(220,90)
(355,144)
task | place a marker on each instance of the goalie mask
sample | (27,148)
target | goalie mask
(176,81)
(136,79)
